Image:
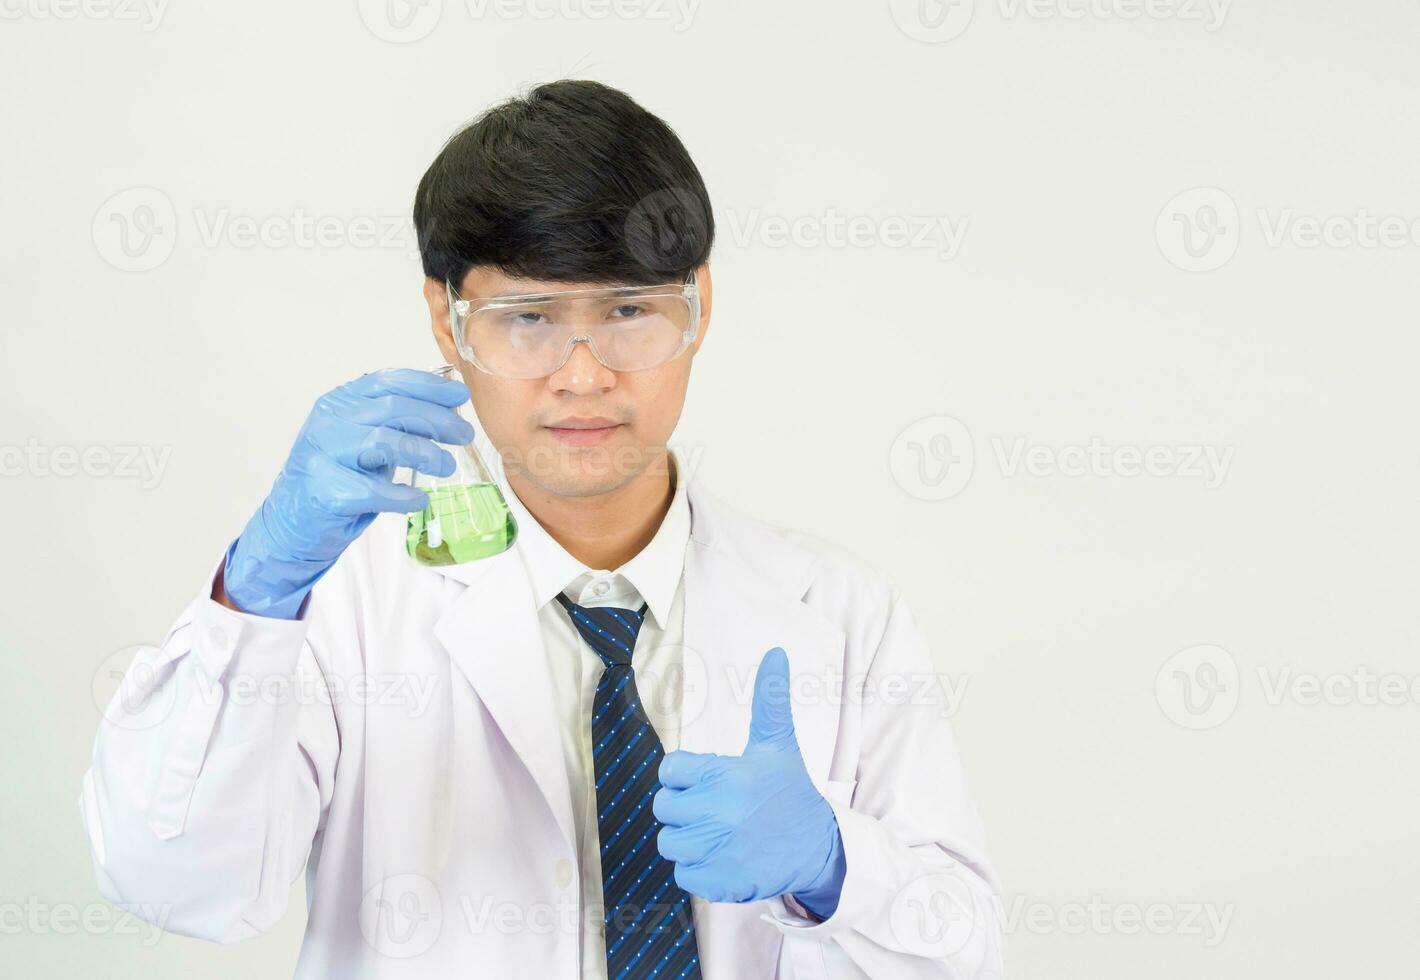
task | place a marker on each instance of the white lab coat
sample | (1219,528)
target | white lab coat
(430,809)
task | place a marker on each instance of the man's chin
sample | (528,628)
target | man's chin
(579,471)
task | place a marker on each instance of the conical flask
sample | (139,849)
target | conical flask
(467,517)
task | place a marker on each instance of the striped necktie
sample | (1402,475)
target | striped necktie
(649,928)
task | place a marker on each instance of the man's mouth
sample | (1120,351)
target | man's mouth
(583,431)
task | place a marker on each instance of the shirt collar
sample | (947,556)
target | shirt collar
(654,572)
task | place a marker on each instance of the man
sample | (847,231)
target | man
(652,738)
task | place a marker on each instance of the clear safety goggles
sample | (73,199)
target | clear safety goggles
(627,328)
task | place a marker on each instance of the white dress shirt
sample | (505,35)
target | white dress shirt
(654,576)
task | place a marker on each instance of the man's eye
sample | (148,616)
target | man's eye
(627,310)
(526,319)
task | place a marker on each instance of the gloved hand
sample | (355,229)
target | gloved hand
(338,477)
(742,828)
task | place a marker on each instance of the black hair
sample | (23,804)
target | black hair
(572,182)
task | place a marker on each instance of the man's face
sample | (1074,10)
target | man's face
(522,416)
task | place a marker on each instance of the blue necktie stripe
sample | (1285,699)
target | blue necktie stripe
(657,950)
(611,702)
(650,932)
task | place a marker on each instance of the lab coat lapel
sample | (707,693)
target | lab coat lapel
(744,587)
(743,596)
(492,635)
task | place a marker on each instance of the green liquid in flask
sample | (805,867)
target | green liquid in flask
(461,523)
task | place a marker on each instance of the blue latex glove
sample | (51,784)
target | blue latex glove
(742,828)
(338,477)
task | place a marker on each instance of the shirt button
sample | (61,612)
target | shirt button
(601,588)
(564,873)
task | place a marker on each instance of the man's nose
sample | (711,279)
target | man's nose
(582,372)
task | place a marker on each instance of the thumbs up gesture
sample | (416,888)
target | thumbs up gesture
(742,828)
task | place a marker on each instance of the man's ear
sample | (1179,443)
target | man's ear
(707,293)
(437,296)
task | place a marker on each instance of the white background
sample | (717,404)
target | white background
(1263,835)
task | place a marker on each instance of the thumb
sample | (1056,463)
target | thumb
(771,721)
